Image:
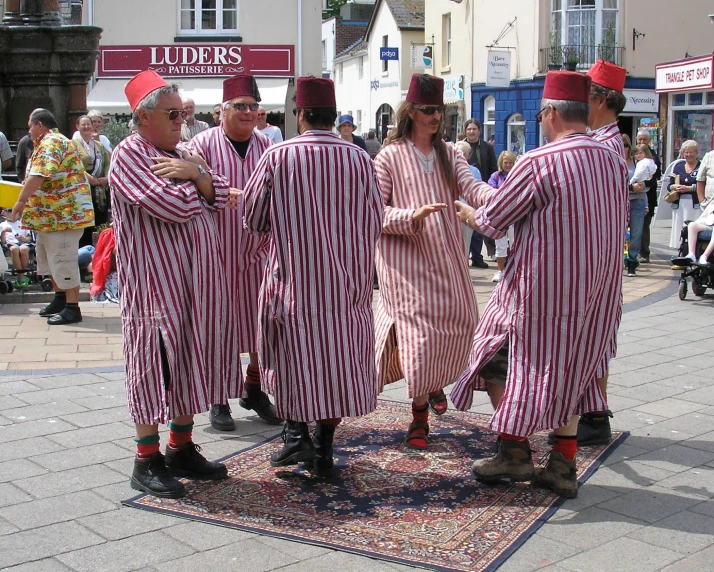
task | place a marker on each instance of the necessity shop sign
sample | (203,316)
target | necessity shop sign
(685,75)
(196,61)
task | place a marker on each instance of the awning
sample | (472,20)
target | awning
(107,95)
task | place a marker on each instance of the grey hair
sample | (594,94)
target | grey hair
(644,133)
(94,113)
(689,143)
(150,102)
(570,111)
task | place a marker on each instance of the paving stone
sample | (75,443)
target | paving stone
(45,565)
(701,561)
(537,552)
(58,394)
(11,402)
(248,555)
(653,437)
(634,379)
(652,391)
(52,510)
(27,429)
(703,442)
(7,528)
(40,543)
(19,469)
(93,435)
(125,522)
(64,380)
(70,481)
(676,458)
(627,474)
(203,536)
(16,387)
(697,481)
(686,532)
(12,495)
(94,418)
(135,553)
(688,383)
(622,555)
(649,504)
(50,410)
(27,447)
(102,401)
(300,551)
(80,457)
(623,452)
(632,420)
(704,395)
(589,528)
(670,407)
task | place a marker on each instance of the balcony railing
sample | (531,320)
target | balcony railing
(578,57)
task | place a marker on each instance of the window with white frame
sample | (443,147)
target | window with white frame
(588,27)
(324,54)
(517,134)
(446,34)
(489,117)
(385,63)
(201,17)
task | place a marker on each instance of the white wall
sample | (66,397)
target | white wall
(353,93)
(328,36)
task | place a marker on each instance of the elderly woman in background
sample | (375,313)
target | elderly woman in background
(95,159)
(683,180)
(506,160)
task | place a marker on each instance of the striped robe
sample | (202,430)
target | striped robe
(427,311)
(317,198)
(555,303)
(244,253)
(171,286)
(610,136)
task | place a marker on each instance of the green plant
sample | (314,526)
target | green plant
(556,50)
(571,55)
(115,131)
(609,43)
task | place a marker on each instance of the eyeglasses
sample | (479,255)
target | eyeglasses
(174,113)
(261,115)
(539,115)
(244,106)
(431,109)
(295,111)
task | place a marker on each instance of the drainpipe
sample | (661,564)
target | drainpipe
(90,22)
(299,37)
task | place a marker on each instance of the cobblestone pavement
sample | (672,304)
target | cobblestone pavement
(66,455)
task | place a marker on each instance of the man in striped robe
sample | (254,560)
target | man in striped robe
(547,327)
(317,198)
(176,321)
(233,150)
(427,310)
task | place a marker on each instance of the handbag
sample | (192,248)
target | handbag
(671,197)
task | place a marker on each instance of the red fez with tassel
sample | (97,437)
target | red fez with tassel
(141,85)
(608,75)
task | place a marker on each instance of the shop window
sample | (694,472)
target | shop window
(489,118)
(201,17)
(588,27)
(710,97)
(446,35)
(517,134)
(693,124)
(696,98)
(679,99)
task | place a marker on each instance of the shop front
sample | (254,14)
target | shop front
(454,113)
(641,113)
(385,97)
(686,89)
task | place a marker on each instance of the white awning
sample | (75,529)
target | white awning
(107,95)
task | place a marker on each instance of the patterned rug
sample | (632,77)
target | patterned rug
(419,509)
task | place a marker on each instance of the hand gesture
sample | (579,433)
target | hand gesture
(464,212)
(194,158)
(16,213)
(233,198)
(175,168)
(422,212)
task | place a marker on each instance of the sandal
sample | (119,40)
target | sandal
(417,433)
(437,402)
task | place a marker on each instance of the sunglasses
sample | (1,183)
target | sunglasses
(431,109)
(539,115)
(174,113)
(244,106)
(295,111)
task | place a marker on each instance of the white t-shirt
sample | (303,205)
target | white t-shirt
(102,139)
(644,170)
(13,231)
(273,133)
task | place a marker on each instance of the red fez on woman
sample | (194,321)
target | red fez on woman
(240,85)
(567,86)
(141,85)
(426,89)
(314,92)
(608,75)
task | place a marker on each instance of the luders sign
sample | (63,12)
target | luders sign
(197,60)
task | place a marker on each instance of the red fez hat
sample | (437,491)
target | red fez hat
(141,85)
(567,86)
(240,85)
(426,89)
(314,92)
(608,75)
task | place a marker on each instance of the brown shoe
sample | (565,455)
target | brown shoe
(559,475)
(513,461)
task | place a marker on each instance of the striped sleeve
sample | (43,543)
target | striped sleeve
(258,195)
(396,220)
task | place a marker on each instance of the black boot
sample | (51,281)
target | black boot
(298,445)
(220,418)
(56,306)
(594,428)
(631,267)
(151,476)
(70,315)
(259,402)
(188,462)
(323,465)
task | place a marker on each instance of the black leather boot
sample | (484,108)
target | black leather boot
(298,445)
(323,465)
(55,307)
(594,428)
(151,476)
(188,462)
(259,402)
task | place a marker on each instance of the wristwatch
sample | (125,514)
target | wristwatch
(201,172)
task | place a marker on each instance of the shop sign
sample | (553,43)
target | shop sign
(684,75)
(641,101)
(388,53)
(498,68)
(375,84)
(422,56)
(196,61)
(452,88)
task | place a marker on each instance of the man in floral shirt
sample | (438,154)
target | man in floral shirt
(56,203)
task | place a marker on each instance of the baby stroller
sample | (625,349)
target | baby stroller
(8,276)
(700,275)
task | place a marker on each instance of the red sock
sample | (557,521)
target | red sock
(508,437)
(252,375)
(418,436)
(566,446)
(180,435)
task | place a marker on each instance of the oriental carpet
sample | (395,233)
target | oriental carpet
(412,508)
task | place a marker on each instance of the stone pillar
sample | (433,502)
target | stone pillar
(51,15)
(12,13)
(77,104)
(31,12)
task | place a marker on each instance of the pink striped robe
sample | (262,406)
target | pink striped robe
(556,300)
(244,253)
(610,136)
(317,198)
(171,287)
(427,303)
